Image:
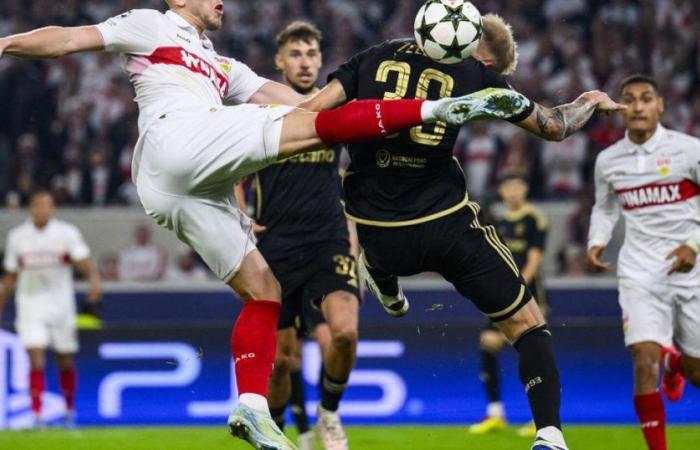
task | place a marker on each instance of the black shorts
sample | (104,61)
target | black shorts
(307,277)
(459,247)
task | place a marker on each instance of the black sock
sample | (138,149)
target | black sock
(387,284)
(297,402)
(278,416)
(331,391)
(539,375)
(490,375)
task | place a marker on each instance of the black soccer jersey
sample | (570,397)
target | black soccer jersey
(523,230)
(410,177)
(299,203)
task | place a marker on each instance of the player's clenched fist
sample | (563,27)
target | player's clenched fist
(685,258)
(594,262)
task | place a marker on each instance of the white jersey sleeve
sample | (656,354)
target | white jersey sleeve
(11,261)
(134,32)
(77,247)
(694,164)
(243,83)
(606,210)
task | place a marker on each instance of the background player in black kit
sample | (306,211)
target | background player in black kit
(305,241)
(408,197)
(523,227)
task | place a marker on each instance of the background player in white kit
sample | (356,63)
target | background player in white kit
(192,149)
(39,258)
(653,175)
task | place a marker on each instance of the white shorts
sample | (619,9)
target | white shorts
(661,314)
(188,162)
(61,336)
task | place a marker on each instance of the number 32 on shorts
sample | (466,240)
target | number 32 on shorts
(346,266)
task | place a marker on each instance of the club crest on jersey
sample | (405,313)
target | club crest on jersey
(383,159)
(664,165)
(225,65)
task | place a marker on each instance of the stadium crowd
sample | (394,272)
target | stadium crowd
(70,124)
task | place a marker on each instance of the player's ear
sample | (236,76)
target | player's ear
(279,64)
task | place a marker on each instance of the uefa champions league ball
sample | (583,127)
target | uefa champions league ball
(448,31)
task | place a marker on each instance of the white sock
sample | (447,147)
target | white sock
(427,111)
(495,409)
(553,435)
(255,401)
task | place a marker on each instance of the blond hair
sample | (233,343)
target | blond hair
(497,36)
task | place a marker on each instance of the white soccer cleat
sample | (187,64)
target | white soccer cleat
(394,305)
(543,444)
(491,103)
(330,430)
(307,441)
(258,429)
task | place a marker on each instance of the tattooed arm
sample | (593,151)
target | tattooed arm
(556,124)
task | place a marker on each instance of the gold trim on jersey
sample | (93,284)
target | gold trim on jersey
(408,223)
(516,303)
(492,238)
(528,209)
(258,191)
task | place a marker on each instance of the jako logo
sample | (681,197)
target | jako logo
(380,121)
(245,356)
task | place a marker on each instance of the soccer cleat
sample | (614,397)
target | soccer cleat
(258,429)
(543,444)
(672,383)
(528,430)
(38,423)
(330,430)
(307,441)
(491,103)
(394,305)
(489,425)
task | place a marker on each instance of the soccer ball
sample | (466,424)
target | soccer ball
(448,31)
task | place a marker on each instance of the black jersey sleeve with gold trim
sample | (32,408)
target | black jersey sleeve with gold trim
(410,177)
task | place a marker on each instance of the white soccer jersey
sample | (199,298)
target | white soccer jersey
(655,185)
(172,67)
(42,259)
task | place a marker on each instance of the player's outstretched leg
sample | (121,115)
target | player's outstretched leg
(648,402)
(253,346)
(384,287)
(492,343)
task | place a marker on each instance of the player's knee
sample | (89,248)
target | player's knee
(263,285)
(344,337)
(646,364)
(491,341)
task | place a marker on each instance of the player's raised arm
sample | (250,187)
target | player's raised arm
(52,42)
(558,123)
(331,96)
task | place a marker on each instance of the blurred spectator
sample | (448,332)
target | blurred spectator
(109,267)
(143,260)
(477,151)
(186,267)
(562,164)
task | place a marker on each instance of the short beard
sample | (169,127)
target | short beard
(299,89)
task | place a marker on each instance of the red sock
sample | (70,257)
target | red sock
(68,382)
(652,417)
(253,345)
(366,120)
(674,362)
(37,384)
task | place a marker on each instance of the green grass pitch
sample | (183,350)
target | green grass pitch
(361,438)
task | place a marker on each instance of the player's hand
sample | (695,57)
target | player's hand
(258,229)
(603,103)
(594,262)
(685,258)
(95,293)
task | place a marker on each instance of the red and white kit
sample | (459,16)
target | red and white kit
(45,298)
(656,185)
(191,147)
